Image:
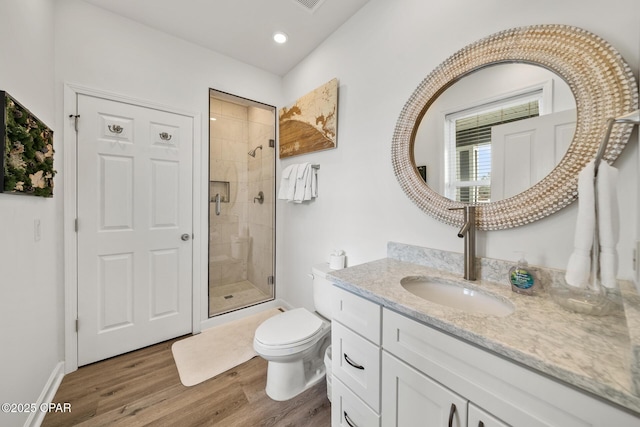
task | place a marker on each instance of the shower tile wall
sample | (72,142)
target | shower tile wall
(228,162)
(237,130)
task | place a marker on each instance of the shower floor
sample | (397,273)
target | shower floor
(225,298)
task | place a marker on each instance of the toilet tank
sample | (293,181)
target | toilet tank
(323,290)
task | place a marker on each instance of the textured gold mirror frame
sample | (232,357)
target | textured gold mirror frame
(601,81)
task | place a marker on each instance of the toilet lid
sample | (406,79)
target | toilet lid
(289,327)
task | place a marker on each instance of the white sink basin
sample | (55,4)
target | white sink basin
(456,296)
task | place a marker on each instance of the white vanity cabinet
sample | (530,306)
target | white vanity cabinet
(355,365)
(492,390)
(392,371)
(410,398)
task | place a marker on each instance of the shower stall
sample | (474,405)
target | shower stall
(241,202)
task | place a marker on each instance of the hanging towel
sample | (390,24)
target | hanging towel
(288,182)
(608,223)
(579,265)
(311,188)
(304,174)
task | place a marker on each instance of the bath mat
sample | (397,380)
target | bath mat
(217,349)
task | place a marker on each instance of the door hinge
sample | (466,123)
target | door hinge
(77,325)
(271,280)
(75,225)
(75,118)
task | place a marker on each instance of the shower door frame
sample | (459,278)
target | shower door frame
(206,298)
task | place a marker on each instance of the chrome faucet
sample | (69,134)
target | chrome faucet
(468,231)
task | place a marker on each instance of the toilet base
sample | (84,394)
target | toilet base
(286,380)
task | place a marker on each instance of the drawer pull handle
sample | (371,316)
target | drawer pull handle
(350,362)
(452,412)
(348,420)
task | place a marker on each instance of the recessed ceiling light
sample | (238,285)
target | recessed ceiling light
(280,37)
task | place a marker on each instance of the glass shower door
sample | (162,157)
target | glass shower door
(241,202)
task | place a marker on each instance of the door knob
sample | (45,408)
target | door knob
(185,237)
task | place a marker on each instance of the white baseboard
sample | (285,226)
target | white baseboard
(47,395)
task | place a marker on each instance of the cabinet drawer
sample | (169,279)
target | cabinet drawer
(348,410)
(356,362)
(359,314)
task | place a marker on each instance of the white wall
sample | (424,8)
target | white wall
(379,57)
(30,276)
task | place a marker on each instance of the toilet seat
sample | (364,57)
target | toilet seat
(293,328)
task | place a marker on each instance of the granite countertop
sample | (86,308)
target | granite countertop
(592,353)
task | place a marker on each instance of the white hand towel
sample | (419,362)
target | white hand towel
(288,182)
(579,265)
(311,184)
(293,181)
(608,223)
(314,183)
(301,182)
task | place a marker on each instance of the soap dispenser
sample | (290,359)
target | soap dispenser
(522,278)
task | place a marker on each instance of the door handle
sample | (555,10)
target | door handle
(115,129)
(185,237)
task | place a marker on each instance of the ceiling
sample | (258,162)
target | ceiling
(243,29)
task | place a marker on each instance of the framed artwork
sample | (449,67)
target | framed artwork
(310,124)
(26,151)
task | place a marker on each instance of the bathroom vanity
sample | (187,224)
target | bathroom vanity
(401,360)
(403,356)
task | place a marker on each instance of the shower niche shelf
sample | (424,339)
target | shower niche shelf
(221,188)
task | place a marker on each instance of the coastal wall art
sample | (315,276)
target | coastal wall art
(310,124)
(26,151)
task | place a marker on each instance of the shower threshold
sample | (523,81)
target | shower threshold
(234,296)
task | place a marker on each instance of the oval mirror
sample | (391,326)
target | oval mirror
(495,132)
(602,85)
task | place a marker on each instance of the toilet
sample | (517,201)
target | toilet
(295,341)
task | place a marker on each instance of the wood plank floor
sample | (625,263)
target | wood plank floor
(143,388)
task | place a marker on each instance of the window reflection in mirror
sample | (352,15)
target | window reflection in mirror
(495,133)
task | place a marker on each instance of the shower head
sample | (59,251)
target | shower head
(252,153)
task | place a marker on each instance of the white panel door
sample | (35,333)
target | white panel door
(134,227)
(525,151)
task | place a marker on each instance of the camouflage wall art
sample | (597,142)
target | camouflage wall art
(27,151)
